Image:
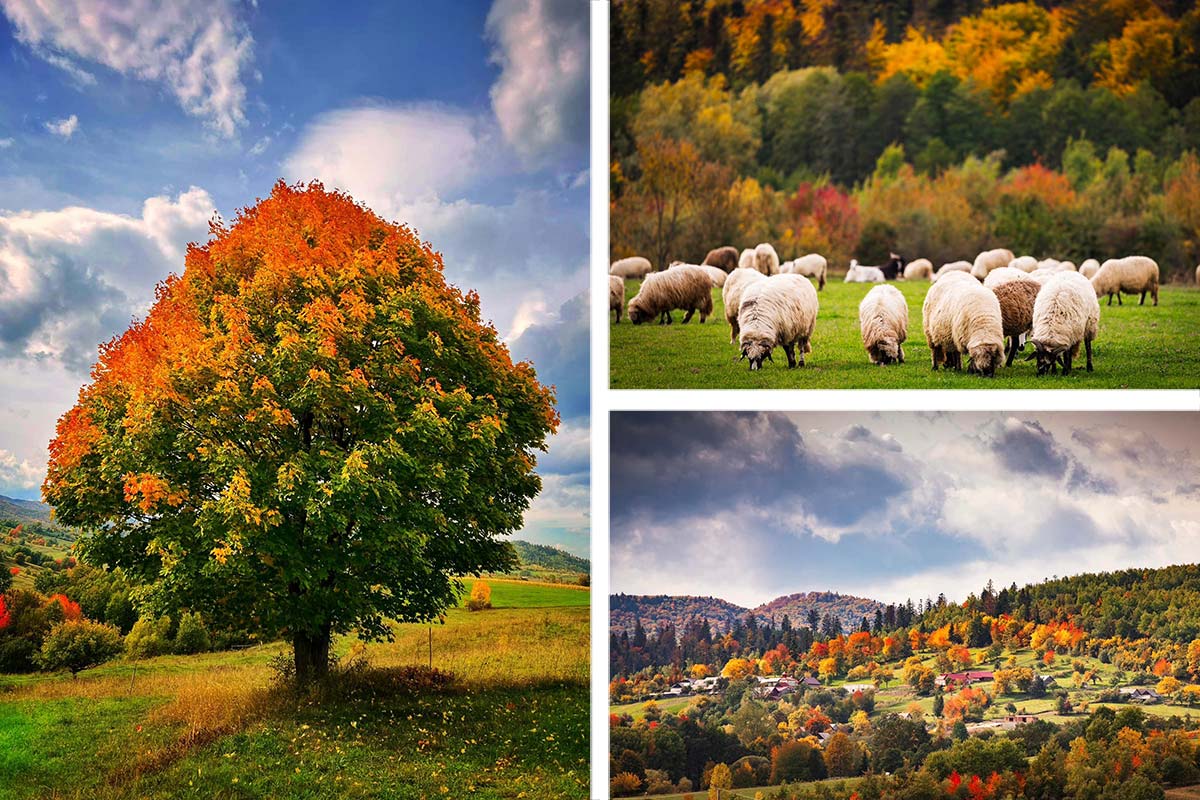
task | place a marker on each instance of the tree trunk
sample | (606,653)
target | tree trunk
(312,654)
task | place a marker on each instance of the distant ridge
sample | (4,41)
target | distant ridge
(540,555)
(847,608)
(653,610)
(14,511)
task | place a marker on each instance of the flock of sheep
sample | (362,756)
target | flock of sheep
(971,308)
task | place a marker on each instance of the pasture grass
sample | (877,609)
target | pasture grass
(1137,347)
(514,719)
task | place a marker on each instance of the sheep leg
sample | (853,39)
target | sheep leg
(688,316)
(1142,302)
(1110,298)
(1087,345)
(790,349)
(936,353)
(901,354)
(1012,351)
(1154,291)
(804,347)
(1067,362)
(1120,302)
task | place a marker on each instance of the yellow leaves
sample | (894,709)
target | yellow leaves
(318,376)
(354,467)
(147,490)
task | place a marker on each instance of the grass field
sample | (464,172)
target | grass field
(514,723)
(1137,347)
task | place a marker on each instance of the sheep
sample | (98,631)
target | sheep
(1065,313)
(766,259)
(1042,274)
(1016,311)
(918,269)
(1068,266)
(1024,263)
(616,294)
(989,260)
(812,265)
(731,295)
(780,310)
(953,266)
(747,258)
(1089,268)
(1003,275)
(1049,263)
(684,288)
(893,268)
(715,274)
(632,267)
(724,257)
(961,316)
(1129,275)
(1198,274)
(883,322)
(859,274)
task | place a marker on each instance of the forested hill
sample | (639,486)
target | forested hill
(801,608)
(540,555)
(654,610)
(33,516)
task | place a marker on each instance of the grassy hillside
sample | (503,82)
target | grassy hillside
(515,719)
(1137,347)
(550,558)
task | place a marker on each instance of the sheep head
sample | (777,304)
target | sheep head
(985,358)
(887,351)
(756,349)
(637,314)
(1047,358)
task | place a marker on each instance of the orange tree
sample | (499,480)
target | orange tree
(310,433)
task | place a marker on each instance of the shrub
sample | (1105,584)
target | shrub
(481,597)
(624,784)
(78,644)
(148,638)
(192,636)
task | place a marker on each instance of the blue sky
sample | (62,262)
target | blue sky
(750,506)
(125,125)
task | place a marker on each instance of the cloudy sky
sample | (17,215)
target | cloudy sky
(125,125)
(750,506)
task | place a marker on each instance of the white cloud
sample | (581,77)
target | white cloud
(260,146)
(197,48)
(7,143)
(72,278)
(64,128)
(541,96)
(18,474)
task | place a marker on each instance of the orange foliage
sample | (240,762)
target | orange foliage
(70,608)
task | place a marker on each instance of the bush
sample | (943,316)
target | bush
(79,644)
(192,636)
(481,597)
(148,638)
(624,784)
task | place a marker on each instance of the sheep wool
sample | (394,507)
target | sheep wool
(715,274)
(766,259)
(748,259)
(1089,268)
(1024,263)
(726,258)
(813,265)
(616,294)
(779,311)
(989,260)
(1004,275)
(685,288)
(919,269)
(883,323)
(731,295)
(1016,312)
(964,317)
(1065,314)
(860,274)
(632,267)
(1129,275)
(953,266)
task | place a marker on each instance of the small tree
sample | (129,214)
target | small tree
(192,636)
(148,638)
(79,644)
(720,778)
(481,597)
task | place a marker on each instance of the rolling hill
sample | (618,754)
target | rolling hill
(848,609)
(552,558)
(626,609)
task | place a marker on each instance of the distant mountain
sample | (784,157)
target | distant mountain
(539,555)
(652,610)
(15,512)
(847,608)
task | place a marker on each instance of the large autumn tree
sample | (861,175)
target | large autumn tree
(310,433)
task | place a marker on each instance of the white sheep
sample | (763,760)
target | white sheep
(883,323)
(861,274)
(1129,275)
(1198,274)
(953,266)
(632,267)
(684,288)
(747,259)
(616,294)
(812,265)
(766,259)
(1003,275)
(715,274)
(1089,268)
(989,260)
(1068,266)
(919,269)
(1049,263)
(1042,274)
(780,311)
(961,316)
(1024,263)
(731,295)
(1065,313)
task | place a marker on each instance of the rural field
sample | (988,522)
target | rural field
(513,720)
(1137,347)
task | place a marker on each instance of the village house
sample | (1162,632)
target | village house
(1143,695)
(963,678)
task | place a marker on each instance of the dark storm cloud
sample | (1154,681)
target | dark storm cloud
(1028,448)
(559,351)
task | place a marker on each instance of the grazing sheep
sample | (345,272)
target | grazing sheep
(685,288)
(1041,275)
(1016,312)
(780,311)
(1089,268)
(1129,275)
(715,274)
(953,266)
(747,259)
(893,268)
(919,269)
(766,260)
(812,265)
(616,294)
(961,316)
(731,295)
(989,260)
(724,257)
(1068,266)
(883,322)
(860,274)
(632,267)
(1024,263)
(1049,263)
(1003,275)
(1065,313)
